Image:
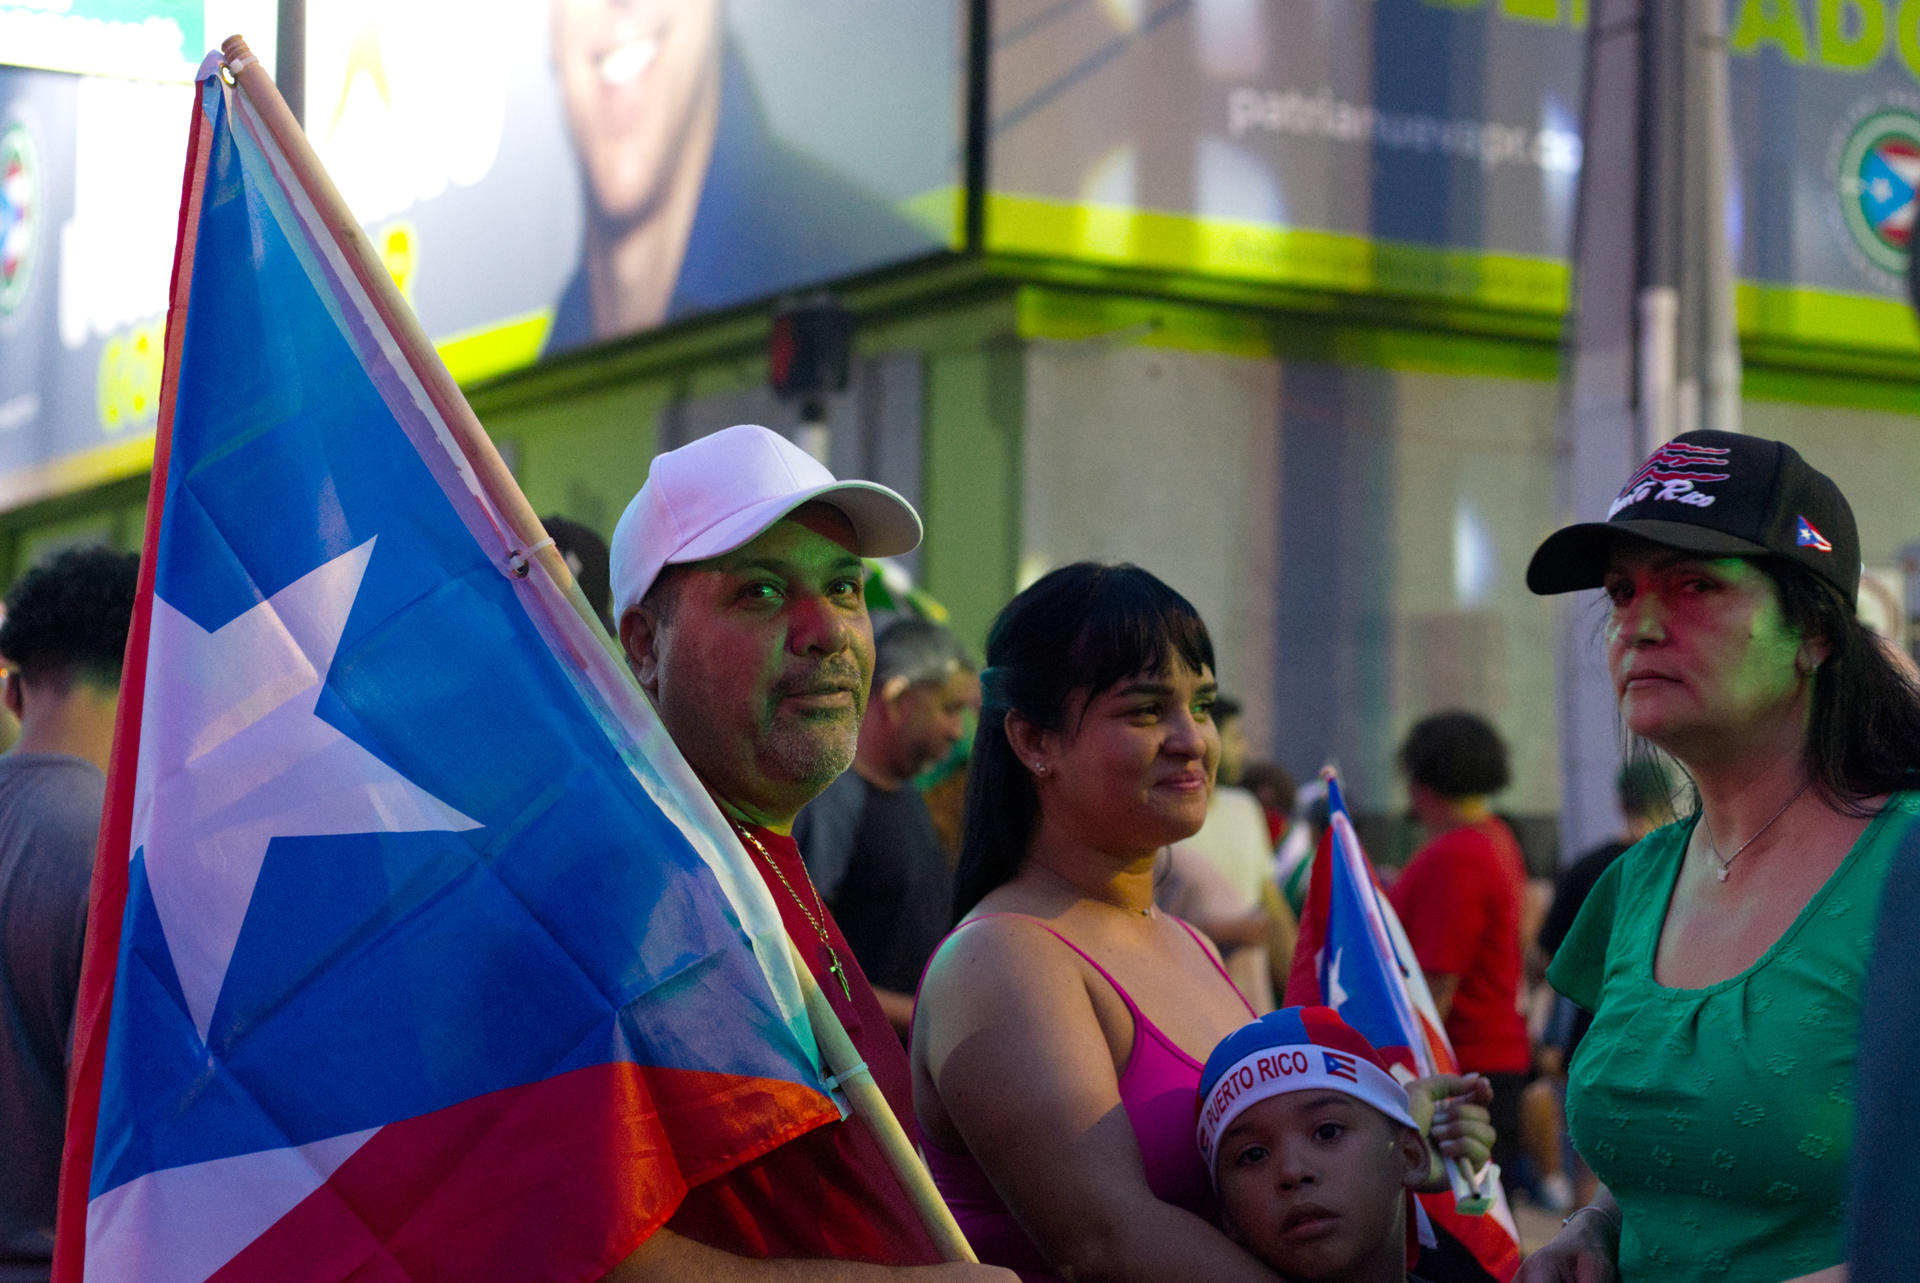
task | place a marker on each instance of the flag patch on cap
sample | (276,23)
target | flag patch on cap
(1807,537)
(1339,1066)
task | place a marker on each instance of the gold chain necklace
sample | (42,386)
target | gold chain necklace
(817,921)
(1726,864)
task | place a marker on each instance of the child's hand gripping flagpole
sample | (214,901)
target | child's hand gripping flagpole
(1472,1191)
(531,543)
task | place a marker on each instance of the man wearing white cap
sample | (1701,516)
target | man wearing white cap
(738,594)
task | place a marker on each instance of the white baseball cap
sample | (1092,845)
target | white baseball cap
(712,495)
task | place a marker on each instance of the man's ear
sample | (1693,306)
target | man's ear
(15,697)
(1417,1160)
(890,690)
(642,636)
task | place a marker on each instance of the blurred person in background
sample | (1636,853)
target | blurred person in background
(63,641)
(868,840)
(1644,788)
(1460,899)
(1273,786)
(587,557)
(1722,956)
(1235,842)
(1293,862)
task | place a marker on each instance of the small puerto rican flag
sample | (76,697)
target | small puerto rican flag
(1339,1066)
(1808,537)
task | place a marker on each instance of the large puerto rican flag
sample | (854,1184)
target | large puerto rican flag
(416,951)
(1354,956)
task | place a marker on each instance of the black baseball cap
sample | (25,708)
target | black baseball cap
(1723,494)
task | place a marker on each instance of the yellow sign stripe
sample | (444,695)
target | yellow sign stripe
(74,472)
(1818,318)
(488,350)
(1278,255)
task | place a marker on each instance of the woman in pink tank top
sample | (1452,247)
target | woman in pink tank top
(1061,1028)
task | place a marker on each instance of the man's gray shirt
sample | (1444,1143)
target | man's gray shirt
(49,820)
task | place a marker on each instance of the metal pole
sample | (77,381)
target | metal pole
(1604,383)
(1652,349)
(1719,338)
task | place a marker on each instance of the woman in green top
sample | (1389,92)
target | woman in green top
(1722,955)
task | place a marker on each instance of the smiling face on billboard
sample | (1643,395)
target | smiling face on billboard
(637,76)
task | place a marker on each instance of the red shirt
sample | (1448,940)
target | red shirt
(1459,900)
(829,1193)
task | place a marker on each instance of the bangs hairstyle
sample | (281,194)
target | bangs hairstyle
(1083,628)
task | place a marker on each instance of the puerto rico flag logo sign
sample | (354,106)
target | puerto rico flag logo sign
(1878,177)
(1805,536)
(1674,473)
(19,214)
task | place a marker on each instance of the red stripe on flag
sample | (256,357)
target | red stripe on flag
(391,1211)
(1303,976)
(107,901)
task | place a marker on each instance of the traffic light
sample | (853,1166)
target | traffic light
(807,355)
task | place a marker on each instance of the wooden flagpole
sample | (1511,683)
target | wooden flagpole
(868,1102)
(842,1060)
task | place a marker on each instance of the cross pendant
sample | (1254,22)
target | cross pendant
(840,973)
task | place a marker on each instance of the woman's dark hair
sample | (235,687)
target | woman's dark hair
(1456,755)
(1644,784)
(1863,738)
(1085,627)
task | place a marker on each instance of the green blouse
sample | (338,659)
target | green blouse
(1720,1117)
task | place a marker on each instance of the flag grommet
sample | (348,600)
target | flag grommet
(520,560)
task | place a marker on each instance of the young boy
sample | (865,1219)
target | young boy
(1313,1149)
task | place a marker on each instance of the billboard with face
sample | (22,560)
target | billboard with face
(540,175)
(547,176)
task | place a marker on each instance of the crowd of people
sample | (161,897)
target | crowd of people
(1122,904)
(1079,1015)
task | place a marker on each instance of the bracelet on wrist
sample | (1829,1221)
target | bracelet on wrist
(1611,1218)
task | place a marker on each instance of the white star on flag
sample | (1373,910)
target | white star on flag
(1336,996)
(233,756)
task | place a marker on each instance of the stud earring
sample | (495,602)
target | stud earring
(1039,768)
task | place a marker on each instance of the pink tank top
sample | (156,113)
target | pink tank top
(1157,1089)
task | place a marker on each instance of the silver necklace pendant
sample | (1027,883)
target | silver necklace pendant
(1726,865)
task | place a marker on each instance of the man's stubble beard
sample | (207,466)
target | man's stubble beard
(812,753)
